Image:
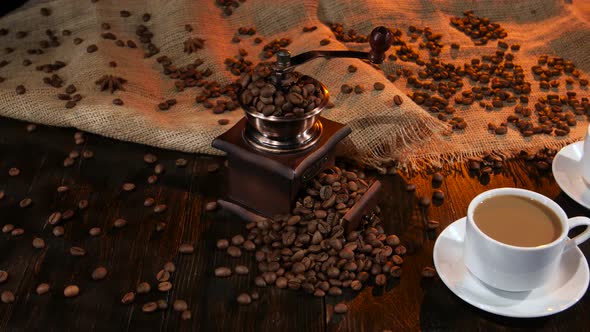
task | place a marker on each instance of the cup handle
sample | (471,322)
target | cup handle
(585,235)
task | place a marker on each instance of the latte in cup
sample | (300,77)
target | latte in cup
(517,221)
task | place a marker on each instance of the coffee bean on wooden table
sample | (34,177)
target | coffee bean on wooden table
(128,186)
(13,171)
(211,206)
(3,276)
(411,187)
(38,243)
(128,298)
(68,162)
(424,201)
(58,231)
(181,162)
(17,232)
(149,307)
(99,273)
(160,226)
(42,288)
(164,286)
(169,267)
(212,168)
(179,305)
(54,218)
(428,272)
(222,244)
(160,208)
(31,127)
(241,269)
(186,315)
(159,169)
(341,308)
(234,251)
(71,291)
(222,272)
(119,223)
(26,202)
(438,195)
(186,248)
(244,299)
(95,231)
(2,194)
(7,228)
(67,214)
(143,288)
(163,275)
(77,251)
(82,204)
(433,224)
(162,304)
(7,297)
(149,202)
(125,13)
(437,177)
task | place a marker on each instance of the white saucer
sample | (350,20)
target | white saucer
(561,292)
(567,172)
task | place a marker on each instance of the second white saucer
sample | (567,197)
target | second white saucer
(567,171)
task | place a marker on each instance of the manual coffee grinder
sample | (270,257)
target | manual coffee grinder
(270,158)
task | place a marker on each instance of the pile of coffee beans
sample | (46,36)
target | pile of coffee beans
(346,36)
(308,250)
(270,49)
(480,29)
(111,83)
(192,45)
(294,96)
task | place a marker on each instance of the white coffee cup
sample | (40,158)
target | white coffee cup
(586,158)
(513,268)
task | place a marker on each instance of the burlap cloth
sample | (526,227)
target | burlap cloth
(381,132)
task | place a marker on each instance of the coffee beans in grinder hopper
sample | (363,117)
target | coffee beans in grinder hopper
(294,97)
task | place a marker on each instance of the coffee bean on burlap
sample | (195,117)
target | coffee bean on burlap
(20,89)
(42,288)
(118,102)
(92,48)
(378,86)
(397,100)
(71,291)
(160,208)
(186,248)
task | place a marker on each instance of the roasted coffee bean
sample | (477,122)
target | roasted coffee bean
(159,169)
(163,275)
(54,218)
(92,48)
(7,228)
(164,286)
(128,298)
(433,224)
(241,269)
(118,102)
(358,89)
(42,288)
(234,251)
(169,267)
(38,243)
(324,41)
(20,90)
(143,288)
(58,231)
(345,88)
(397,100)
(95,231)
(335,291)
(186,248)
(152,179)
(438,195)
(341,308)
(149,202)
(378,86)
(128,186)
(179,305)
(424,201)
(71,291)
(211,206)
(222,272)
(160,226)
(186,315)
(237,240)
(26,202)
(125,13)
(67,214)
(17,232)
(160,208)
(437,177)
(244,299)
(149,307)
(7,297)
(99,273)
(119,223)
(62,189)
(410,187)
(77,251)
(428,272)
(3,276)
(392,240)
(212,168)
(181,162)
(150,158)
(162,304)
(13,171)
(222,244)
(45,11)
(146,17)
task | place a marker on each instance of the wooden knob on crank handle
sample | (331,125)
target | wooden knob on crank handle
(380,41)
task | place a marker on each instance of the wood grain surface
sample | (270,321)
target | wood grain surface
(137,252)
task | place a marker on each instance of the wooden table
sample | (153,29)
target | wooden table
(137,252)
